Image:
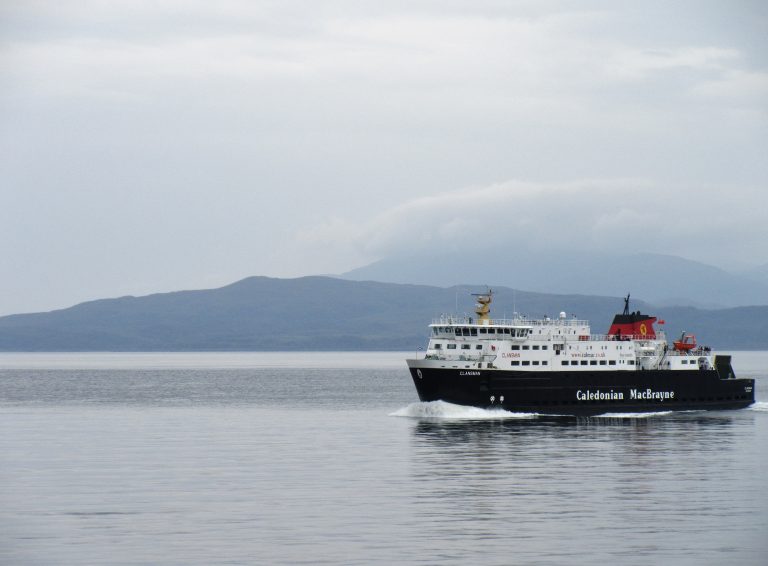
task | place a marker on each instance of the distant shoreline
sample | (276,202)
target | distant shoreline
(325,314)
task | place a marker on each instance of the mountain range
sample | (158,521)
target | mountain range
(659,279)
(326,313)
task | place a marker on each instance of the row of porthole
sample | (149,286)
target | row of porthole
(590,347)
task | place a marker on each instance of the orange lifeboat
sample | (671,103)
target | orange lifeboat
(686,343)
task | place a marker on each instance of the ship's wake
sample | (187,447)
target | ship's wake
(633,415)
(761,406)
(443,410)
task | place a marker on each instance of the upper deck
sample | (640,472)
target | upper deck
(519,321)
(517,328)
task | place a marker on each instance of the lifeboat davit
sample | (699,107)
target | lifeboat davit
(686,343)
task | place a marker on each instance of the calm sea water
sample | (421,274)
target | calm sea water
(326,459)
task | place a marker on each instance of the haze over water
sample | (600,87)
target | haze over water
(327,458)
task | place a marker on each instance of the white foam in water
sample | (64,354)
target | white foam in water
(633,415)
(443,410)
(759,406)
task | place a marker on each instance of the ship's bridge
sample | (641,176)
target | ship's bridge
(448,326)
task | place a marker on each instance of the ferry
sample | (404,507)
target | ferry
(557,366)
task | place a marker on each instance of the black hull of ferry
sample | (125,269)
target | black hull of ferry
(584,392)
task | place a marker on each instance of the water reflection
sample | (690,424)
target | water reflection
(449,433)
(519,482)
(579,442)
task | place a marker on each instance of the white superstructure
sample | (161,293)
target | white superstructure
(549,344)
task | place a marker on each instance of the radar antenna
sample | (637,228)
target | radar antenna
(483,308)
(626,304)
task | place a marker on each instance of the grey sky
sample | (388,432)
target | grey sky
(153,146)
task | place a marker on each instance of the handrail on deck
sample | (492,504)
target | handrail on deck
(519,322)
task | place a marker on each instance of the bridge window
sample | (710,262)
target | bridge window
(483,331)
(491,331)
(473,331)
(451,346)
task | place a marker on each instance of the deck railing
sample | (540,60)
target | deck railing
(518,322)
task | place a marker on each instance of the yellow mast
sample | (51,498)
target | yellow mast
(483,306)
